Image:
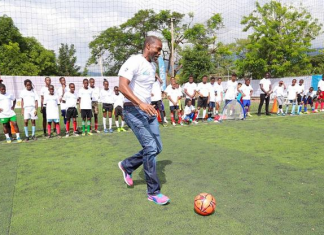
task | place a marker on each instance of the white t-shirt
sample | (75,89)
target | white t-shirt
(300,89)
(174,94)
(44,92)
(321,85)
(191,89)
(52,110)
(85,96)
(107,96)
(70,99)
(188,110)
(141,75)
(95,93)
(231,90)
(212,95)
(311,94)
(266,85)
(204,89)
(60,95)
(29,97)
(246,90)
(119,100)
(6,104)
(292,92)
(279,91)
(219,91)
(156,91)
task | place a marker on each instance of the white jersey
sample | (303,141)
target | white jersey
(292,92)
(141,75)
(156,91)
(70,99)
(300,89)
(321,85)
(119,100)
(29,98)
(231,90)
(6,104)
(311,94)
(246,90)
(204,89)
(191,89)
(60,95)
(212,92)
(279,91)
(188,109)
(95,93)
(219,91)
(44,92)
(107,96)
(85,96)
(52,110)
(174,94)
(266,85)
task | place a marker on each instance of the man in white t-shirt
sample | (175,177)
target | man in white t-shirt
(44,92)
(320,99)
(95,98)
(85,103)
(246,91)
(279,92)
(136,78)
(292,97)
(156,98)
(190,89)
(107,99)
(266,90)
(203,90)
(61,91)
(174,95)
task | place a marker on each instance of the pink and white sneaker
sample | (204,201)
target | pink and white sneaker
(159,199)
(127,178)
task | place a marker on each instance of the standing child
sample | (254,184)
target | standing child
(52,111)
(219,97)
(70,99)
(279,91)
(119,105)
(43,93)
(174,95)
(320,97)
(300,95)
(292,97)
(85,105)
(29,106)
(94,103)
(61,92)
(107,99)
(309,99)
(190,113)
(7,113)
(246,91)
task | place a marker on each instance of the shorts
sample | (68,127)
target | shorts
(44,112)
(71,112)
(299,99)
(202,102)
(118,111)
(291,101)
(246,103)
(321,95)
(280,100)
(308,101)
(29,113)
(9,119)
(86,113)
(212,104)
(107,107)
(53,120)
(95,109)
(157,105)
(193,101)
(63,113)
(172,108)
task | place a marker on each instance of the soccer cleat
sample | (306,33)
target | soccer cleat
(159,199)
(33,138)
(118,129)
(127,178)
(27,139)
(83,133)
(67,135)
(122,129)
(8,140)
(59,137)
(278,114)
(75,133)
(249,115)
(181,123)
(173,123)
(97,131)
(19,140)
(105,131)
(90,133)
(111,130)
(216,121)
(195,122)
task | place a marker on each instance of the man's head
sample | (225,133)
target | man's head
(72,87)
(204,79)
(172,80)
(28,84)
(219,81)
(247,81)
(174,85)
(48,81)
(62,81)
(239,85)
(234,76)
(106,84)
(116,90)
(311,89)
(293,82)
(212,80)
(51,89)
(267,75)
(85,83)
(301,81)
(281,83)
(191,79)
(2,89)
(152,48)
(92,82)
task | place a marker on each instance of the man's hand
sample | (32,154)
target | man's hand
(35,112)
(1,110)
(147,108)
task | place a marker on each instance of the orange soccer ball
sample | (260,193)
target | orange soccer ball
(205,204)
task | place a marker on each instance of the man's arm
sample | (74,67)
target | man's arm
(13,105)
(42,103)
(128,93)
(22,106)
(261,86)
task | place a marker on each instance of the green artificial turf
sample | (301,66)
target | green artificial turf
(266,173)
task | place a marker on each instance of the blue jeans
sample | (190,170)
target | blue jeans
(146,129)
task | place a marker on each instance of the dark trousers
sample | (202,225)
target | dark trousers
(262,99)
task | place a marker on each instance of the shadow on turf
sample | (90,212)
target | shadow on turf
(160,171)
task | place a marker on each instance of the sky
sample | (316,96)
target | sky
(79,21)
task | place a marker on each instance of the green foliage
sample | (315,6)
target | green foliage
(318,63)
(66,61)
(280,40)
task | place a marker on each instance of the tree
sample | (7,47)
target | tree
(317,62)
(280,40)
(66,61)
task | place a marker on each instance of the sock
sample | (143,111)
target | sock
(165,119)
(49,129)
(316,105)
(305,108)
(313,109)
(33,130)
(299,108)
(26,130)
(122,124)
(57,126)
(195,116)
(117,124)
(96,125)
(322,105)
(17,135)
(83,126)
(216,112)
(104,123)
(209,114)
(88,126)
(287,108)
(293,108)
(74,126)
(44,130)
(67,126)
(204,113)
(110,123)
(281,110)
(180,119)
(7,136)
(172,117)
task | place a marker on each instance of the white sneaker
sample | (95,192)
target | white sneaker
(181,123)
(195,122)
(165,120)
(173,123)
(97,131)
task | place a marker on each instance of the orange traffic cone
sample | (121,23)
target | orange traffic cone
(274,107)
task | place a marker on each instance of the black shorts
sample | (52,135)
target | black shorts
(299,99)
(202,102)
(172,108)
(193,101)
(44,112)
(86,113)
(71,113)
(157,105)
(107,107)
(118,111)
